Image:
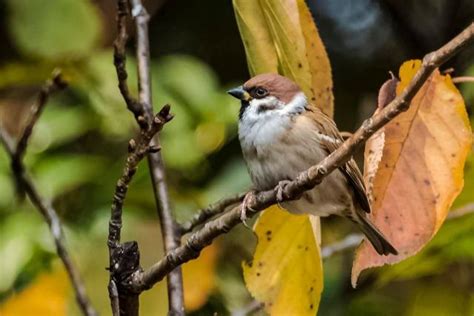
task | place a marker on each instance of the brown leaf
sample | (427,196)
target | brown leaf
(414,168)
(387,92)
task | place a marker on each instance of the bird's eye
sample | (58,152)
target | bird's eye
(260,92)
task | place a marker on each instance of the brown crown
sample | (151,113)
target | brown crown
(281,87)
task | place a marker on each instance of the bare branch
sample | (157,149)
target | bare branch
(55,84)
(169,227)
(346,135)
(252,307)
(124,258)
(309,178)
(463,79)
(466,209)
(49,214)
(210,211)
(143,112)
(137,151)
(114,299)
(349,242)
(120,59)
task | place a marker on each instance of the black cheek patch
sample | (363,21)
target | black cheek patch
(265,107)
(243,106)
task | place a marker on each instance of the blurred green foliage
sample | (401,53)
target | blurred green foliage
(78,149)
(79,145)
(39,20)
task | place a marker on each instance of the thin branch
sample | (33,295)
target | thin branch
(143,112)
(42,205)
(252,307)
(466,209)
(349,242)
(55,84)
(124,258)
(169,228)
(137,151)
(307,179)
(7,142)
(346,135)
(462,79)
(114,298)
(210,211)
(120,59)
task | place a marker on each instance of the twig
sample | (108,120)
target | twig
(466,209)
(309,178)
(346,135)
(55,84)
(120,59)
(124,258)
(169,228)
(114,298)
(137,151)
(210,211)
(350,241)
(463,79)
(251,307)
(142,109)
(49,214)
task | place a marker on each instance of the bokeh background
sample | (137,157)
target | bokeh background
(78,148)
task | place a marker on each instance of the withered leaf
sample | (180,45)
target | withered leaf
(414,168)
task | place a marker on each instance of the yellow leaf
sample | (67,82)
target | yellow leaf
(280,36)
(286,270)
(198,278)
(416,165)
(47,295)
(258,43)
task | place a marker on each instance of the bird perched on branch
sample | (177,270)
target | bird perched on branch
(281,135)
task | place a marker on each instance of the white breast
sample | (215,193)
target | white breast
(278,146)
(261,128)
(273,145)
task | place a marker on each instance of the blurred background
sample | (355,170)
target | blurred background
(78,149)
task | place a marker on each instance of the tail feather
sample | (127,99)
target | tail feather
(376,238)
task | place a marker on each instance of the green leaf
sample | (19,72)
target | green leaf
(61,173)
(438,300)
(12,74)
(97,81)
(59,125)
(186,78)
(54,29)
(453,243)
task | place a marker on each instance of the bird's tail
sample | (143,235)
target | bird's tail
(376,238)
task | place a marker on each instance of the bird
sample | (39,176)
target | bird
(282,134)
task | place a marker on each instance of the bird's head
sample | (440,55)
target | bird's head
(269,93)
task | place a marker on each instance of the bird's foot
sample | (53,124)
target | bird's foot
(248,199)
(280,190)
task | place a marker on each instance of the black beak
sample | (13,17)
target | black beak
(239,93)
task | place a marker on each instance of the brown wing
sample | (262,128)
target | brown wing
(327,126)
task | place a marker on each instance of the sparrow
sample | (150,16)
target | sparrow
(282,134)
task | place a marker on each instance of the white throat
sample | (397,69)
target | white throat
(264,120)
